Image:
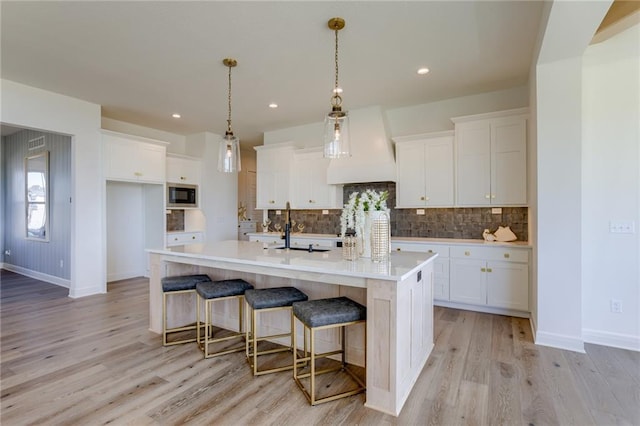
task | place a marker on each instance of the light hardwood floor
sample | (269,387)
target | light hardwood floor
(93,361)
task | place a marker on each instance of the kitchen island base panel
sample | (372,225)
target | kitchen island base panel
(399,327)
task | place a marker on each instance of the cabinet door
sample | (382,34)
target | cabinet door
(309,183)
(410,188)
(474,164)
(468,281)
(273,175)
(151,163)
(439,172)
(183,170)
(509,162)
(441,279)
(120,158)
(508,285)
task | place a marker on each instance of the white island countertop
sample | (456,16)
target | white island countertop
(397,268)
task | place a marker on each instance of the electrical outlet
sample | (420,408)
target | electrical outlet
(616,306)
(420,212)
(278,212)
(61,263)
(496,210)
(325,211)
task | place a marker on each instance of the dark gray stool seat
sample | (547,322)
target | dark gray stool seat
(215,291)
(273,297)
(174,286)
(336,312)
(222,288)
(321,312)
(264,300)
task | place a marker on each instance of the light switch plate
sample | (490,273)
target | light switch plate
(622,227)
(278,212)
(420,211)
(496,210)
(325,211)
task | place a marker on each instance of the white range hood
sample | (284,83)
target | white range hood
(372,158)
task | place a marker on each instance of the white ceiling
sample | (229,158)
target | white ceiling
(143,61)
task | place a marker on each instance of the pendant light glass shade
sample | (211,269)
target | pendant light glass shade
(229,154)
(336,122)
(336,135)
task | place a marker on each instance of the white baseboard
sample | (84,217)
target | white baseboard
(37,275)
(124,275)
(616,340)
(479,308)
(559,341)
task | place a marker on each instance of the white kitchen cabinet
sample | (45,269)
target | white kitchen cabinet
(310,189)
(273,175)
(492,159)
(182,238)
(496,277)
(183,170)
(266,238)
(440,265)
(129,158)
(425,170)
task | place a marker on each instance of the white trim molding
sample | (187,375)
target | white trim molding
(37,275)
(616,340)
(559,341)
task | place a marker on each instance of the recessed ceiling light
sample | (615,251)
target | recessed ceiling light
(176,115)
(273,105)
(423,71)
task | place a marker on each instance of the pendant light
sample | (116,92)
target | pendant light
(336,123)
(229,155)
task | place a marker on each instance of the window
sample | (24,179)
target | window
(37,196)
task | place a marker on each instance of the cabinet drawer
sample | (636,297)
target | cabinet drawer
(269,239)
(443,251)
(181,238)
(506,254)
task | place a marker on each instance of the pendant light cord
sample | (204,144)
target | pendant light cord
(229,100)
(336,58)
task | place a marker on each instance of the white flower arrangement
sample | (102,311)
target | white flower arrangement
(353,213)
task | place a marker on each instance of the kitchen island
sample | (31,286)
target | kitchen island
(397,293)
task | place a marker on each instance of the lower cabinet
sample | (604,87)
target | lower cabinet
(182,238)
(440,265)
(478,279)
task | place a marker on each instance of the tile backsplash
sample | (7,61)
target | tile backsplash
(467,223)
(175,220)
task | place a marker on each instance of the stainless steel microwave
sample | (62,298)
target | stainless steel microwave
(182,195)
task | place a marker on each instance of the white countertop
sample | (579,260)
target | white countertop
(399,267)
(451,241)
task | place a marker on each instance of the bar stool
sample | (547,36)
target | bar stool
(325,314)
(171,286)
(269,300)
(209,292)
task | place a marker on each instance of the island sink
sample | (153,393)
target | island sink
(309,249)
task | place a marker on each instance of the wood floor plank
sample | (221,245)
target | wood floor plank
(93,361)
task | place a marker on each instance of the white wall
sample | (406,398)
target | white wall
(611,190)
(218,191)
(559,207)
(176,142)
(423,118)
(28,107)
(436,116)
(125,236)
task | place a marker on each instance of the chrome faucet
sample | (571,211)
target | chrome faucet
(287,227)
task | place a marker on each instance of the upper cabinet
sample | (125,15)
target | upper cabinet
(183,170)
(425,170)
(492,158)
(309,182)
(273,175)
(129,158)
